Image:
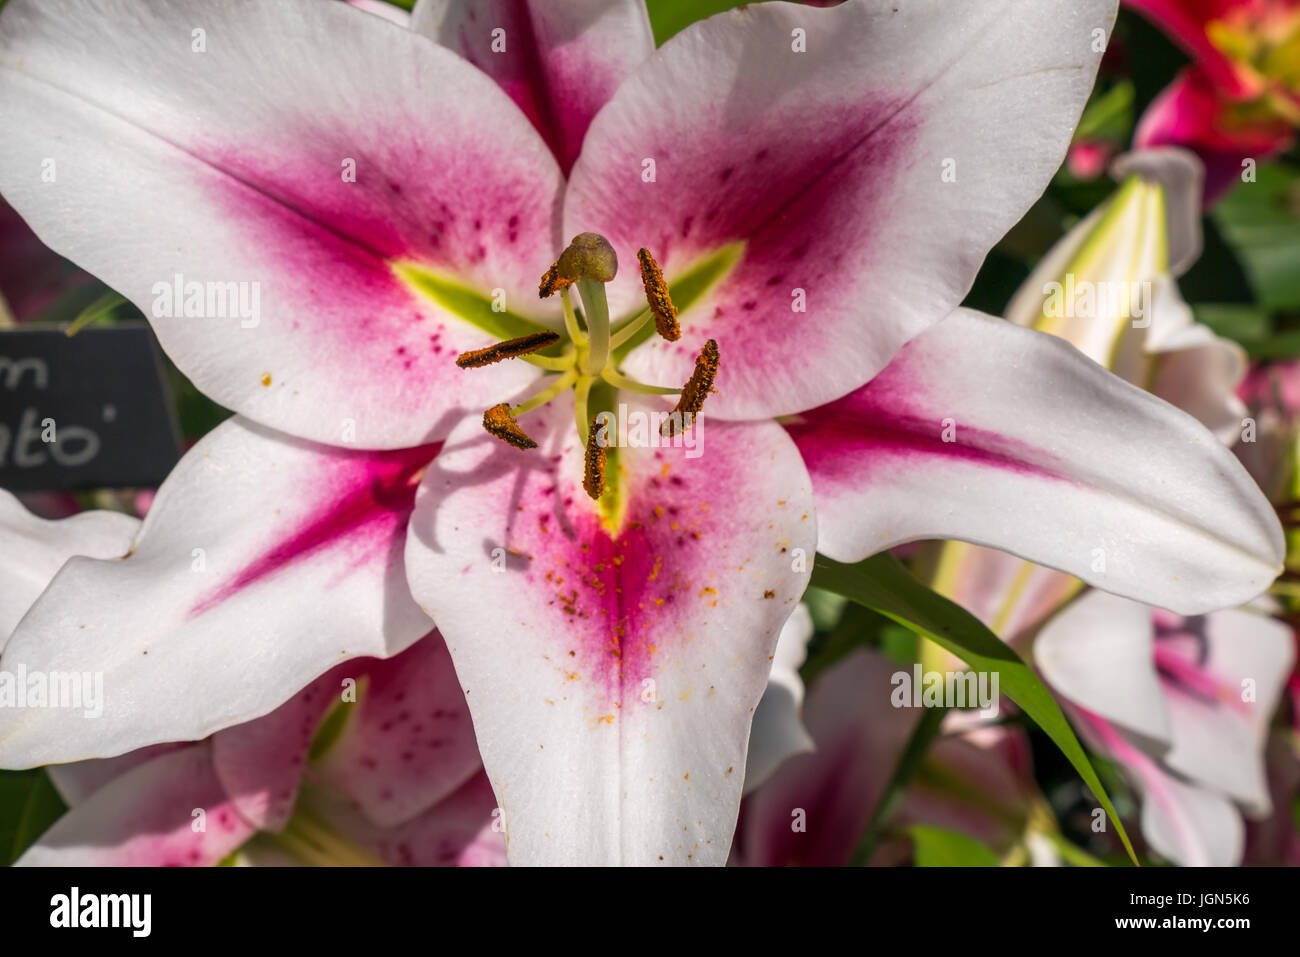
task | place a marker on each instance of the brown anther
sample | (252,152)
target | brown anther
(499,422)
(510,349)
(588,256)
(593,465)
(656,294)
(552,282)
(697,388)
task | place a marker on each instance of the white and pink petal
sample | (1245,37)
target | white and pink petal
(254,159)
(778,732)
(559,62)
(33,549)
(989,433)
(170,811)
(407,742)
(612,664)
(852,165)
(264,562)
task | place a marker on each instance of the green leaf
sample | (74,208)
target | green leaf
(938,847)
(1108,115)
(466,303)
(668,17)
(28,806)
(101,308)
(826,608)
(1247,325)
(1261,221)
(883,585)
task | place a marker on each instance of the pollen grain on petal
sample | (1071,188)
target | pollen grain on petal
(499,422)
(656,294)
(509,349)
(697,388)
(593,471)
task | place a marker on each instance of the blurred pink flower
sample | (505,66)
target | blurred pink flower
(1240,98)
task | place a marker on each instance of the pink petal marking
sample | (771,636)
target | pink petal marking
(625,598)
(1152,776)
(366,503)
(1177,661)
(887,425)
(409,742)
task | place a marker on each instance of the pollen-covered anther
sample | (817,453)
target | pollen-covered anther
(499,422)
(589,256)
(552,282)
(656,294)
(509,349)
(697,388)
(593,465)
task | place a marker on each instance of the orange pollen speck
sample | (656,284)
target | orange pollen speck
(697,388)
(593,470)
(509,349)
(499,422)
(656,294)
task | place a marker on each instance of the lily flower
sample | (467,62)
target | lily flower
(1183,705)
(1240,98)
(373,762)
(814,809)
(387,775)
(612,607)
(386,772)
(1109,287)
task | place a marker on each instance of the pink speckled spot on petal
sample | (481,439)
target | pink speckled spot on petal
(606,609)
(146,818)
(798,192)
(408,742)
(612,671)
(261,762)
(328,248)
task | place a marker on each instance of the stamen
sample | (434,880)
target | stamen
(509,349)
(697,388)
(620,381)
(499,422)
(656,294)
(552,282)
(593,469)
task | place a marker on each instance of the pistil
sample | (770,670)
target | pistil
(587,264)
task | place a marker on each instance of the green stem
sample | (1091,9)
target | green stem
(580,396)
(311,841)
(620,381)
(95,311)
(560,363)
(547,394)
(629,329)
(596,309)
(571,324)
